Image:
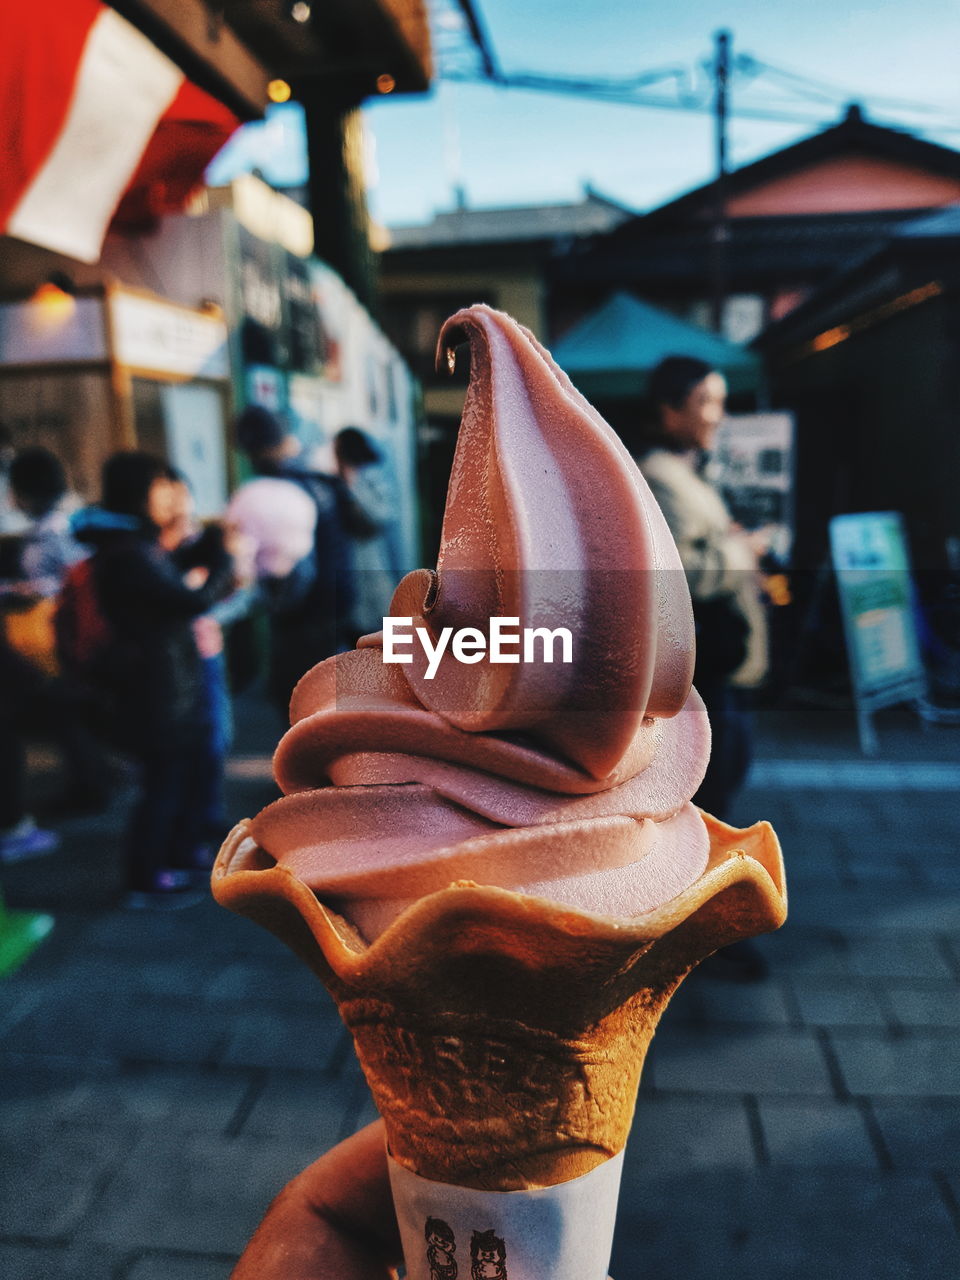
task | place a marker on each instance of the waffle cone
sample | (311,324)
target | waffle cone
(503,1036)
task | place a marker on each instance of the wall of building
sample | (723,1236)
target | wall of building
(846,184)
(415,305)
(879,429)
(181,260)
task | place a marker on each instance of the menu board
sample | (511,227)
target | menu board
(876,591)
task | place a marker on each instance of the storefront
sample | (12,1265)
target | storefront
(118,368)
(304,346)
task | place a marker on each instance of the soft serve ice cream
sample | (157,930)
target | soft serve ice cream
(495,867)
(565,780)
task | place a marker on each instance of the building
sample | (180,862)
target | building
(123,106)
(221,306)
(793,219)
(870,364)
(499,256)
(126,322)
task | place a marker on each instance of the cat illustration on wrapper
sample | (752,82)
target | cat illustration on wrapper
(488,1257)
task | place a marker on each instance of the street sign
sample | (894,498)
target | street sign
(877,596)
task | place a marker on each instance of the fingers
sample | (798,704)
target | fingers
(333,1221)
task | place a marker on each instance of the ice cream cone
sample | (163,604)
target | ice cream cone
(522,877)
(503,1036)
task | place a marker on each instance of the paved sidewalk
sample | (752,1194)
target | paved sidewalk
(164,1074)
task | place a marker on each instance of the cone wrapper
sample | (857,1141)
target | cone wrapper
(561,1231)
(503,1035)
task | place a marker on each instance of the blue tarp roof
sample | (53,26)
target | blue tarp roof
(945,224)
(612,351)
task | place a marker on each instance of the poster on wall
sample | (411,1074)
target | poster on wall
(331,300)
(306,418)
(305,341)
(752,465)
(260,301)
(263,385)
(193,420)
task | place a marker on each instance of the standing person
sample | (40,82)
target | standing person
(298,522)
(177,536)
(11,520)
(34,696)
(154,667)
(20,685)
(38,488)
(45,551)
(358,464)
(721,565)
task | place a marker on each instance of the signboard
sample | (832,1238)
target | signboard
(752,466)
(332,300)
(301,319)
(263,385)
(260,300)
(876,593)
(53,329)
(154,335)
(193,418)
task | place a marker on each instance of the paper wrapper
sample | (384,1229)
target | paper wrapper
(553,1233)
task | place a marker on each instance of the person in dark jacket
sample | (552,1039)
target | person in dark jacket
(38,487)
(149,599)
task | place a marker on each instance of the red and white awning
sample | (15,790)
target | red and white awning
(97,126)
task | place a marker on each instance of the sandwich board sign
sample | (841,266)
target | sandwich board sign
(876,591)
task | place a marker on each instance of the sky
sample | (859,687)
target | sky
(507,147)
(516,147)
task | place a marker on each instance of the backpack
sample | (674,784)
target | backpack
(84,636)
(322,580)
(284,596)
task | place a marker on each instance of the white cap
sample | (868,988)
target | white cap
(280,518)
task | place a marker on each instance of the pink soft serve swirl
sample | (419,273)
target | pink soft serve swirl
(563,781)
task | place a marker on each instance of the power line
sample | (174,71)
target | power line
(601,92)
(634,90)
(825,91)
(608,90)
(480,38)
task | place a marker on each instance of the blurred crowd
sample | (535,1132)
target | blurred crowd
(115,615)
(129,623)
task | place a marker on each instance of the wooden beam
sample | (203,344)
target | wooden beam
(197,38)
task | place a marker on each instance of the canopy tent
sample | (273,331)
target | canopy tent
(609,355)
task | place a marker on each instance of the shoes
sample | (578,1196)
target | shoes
(740,962)
(198,863)
(171,890)
(202,858)
(27,840)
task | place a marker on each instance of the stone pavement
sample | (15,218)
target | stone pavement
(164,1074)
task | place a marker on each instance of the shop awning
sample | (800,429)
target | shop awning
(610,354)
(97,126)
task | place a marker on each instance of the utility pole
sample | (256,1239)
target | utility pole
(720,230)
